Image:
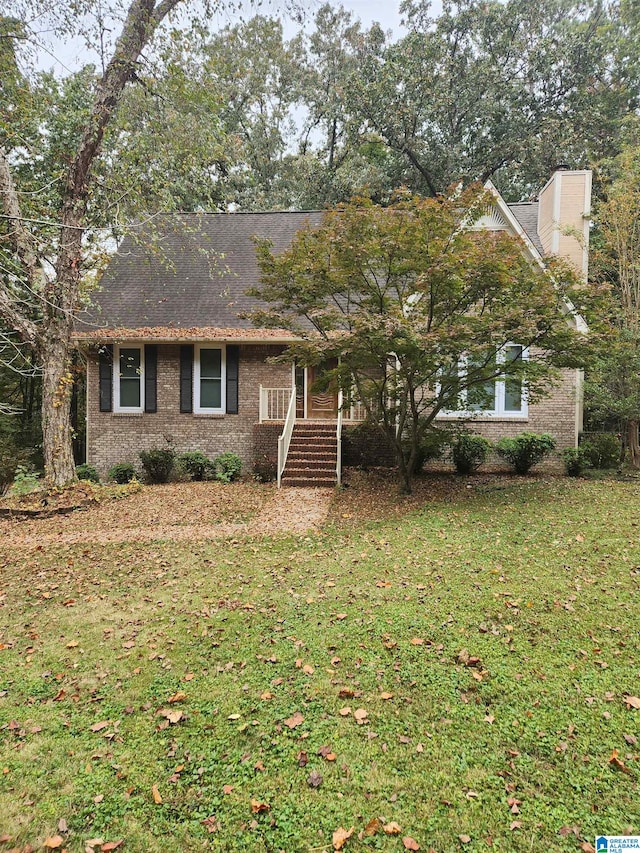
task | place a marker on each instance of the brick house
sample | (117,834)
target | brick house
(170,358)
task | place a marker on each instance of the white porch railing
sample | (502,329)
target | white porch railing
(285,439)
(357,412)
(339,440)
(274,403)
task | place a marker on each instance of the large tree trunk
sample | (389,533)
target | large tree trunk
(633,446)
(57,383)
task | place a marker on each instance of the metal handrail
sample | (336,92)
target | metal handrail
(339,439)
(285,438)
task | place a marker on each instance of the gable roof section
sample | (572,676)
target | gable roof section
(186,273)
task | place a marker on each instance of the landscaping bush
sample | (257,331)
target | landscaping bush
(575,461)
(87,472)
(122,472)
(431,447)
(265,470)
(525,450)
(469,452)
(196,465)
(601,449)
(157,464)
(227,467)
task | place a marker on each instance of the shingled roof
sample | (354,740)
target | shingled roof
(185,276)
(188,272)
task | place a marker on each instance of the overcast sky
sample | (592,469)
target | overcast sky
(63,57)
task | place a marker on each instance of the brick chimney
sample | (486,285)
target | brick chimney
(564,212)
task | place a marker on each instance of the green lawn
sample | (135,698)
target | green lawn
(490,633)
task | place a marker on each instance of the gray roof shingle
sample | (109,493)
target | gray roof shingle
(188,271)
(191,272)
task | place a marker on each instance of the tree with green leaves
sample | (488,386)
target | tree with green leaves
(612,389)
(421,310)
(58,163)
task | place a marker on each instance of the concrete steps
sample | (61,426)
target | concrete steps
(312,455)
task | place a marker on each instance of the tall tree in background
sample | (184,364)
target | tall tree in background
(612,389)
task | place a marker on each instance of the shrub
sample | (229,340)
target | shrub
(575,461)
(469,452)
(601,449)
(227,467)
(122,472)
(157,464)
(87,472)
(25,481)
(431,447)
(265,470)
(196,465)
(525,450)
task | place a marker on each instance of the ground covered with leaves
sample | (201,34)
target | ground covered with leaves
(456,671)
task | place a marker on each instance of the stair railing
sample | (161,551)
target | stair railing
(339,439)
(285,438)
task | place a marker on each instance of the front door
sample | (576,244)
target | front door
(322,394)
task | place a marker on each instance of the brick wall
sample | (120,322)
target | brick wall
(115,438)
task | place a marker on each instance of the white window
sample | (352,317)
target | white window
(209,377)
(128,379)
(500,397)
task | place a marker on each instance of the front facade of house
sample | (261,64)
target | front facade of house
(172,361)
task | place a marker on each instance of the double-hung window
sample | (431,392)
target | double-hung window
(209,380)
(128,379)
(498,396)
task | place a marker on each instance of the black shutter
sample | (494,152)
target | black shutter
(151,378)
(233,355)
(186,378)
(105,373)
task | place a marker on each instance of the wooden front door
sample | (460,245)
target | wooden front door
(322,395)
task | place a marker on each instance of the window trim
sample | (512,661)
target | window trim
(127,410)
(206,410)
(498,412)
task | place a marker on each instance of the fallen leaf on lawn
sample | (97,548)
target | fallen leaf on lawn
(386,695)
(567,830)
(344,712)
(341,836)
(616,762)
(173,716)
(259,766)
(211,823)
(233,717)
(360,716)
(308,669)
(98,799)
(371,828)
(5,839)
(227,789)
(177,697)
(341,616)
(465,839)
(257,807)
(295,720)
(108,846)
(632,740)
(417,641)
(97,727)
(489,718)
(383,584)
(410,843)
(94,842)
(302,758)
(315,779)
(324,750)
(73,644)
(157,797)
(515,824)
(62,825)
(189,676)
(53,842)
(392,828)
(266,695)
(632,702)
(587,847)
(345,693)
